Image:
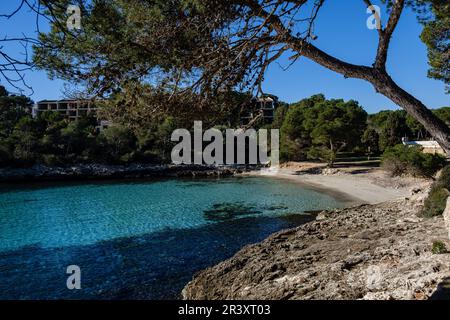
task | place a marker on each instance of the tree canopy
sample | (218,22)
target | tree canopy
(436,35)
(317,128)
(210,46)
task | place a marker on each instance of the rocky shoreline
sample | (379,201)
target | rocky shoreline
(381,251)
(100,172)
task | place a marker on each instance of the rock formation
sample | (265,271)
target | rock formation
(367,252)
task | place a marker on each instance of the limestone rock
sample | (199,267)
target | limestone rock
(366,252)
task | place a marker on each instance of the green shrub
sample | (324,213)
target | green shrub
(437,199)
(410,160)
(443,180)
(5,155)
(435,203)
(439,248)
(127,158)
(50,160)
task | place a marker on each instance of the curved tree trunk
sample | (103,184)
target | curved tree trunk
(384,84)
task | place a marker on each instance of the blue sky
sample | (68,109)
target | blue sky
(341,30)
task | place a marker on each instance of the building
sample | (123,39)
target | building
(263,107)
(428,146)
(71,109)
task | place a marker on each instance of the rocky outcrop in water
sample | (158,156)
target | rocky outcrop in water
(367,252)
(97,171)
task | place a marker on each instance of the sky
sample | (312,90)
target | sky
(342,31)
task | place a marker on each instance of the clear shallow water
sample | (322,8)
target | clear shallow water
(141,240)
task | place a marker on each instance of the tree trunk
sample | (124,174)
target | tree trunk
(384,84)
(331,160)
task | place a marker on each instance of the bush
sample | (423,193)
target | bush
(439,248)
(437,199)
(5,155)
(443,180)
(410,160)
(50,160)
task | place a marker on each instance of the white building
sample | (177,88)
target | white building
(70,109)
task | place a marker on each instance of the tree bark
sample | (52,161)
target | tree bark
(376,74)
(384,84)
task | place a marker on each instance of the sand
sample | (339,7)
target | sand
(381,250)
(362,186)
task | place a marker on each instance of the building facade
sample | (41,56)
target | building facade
(70,109)
(262,107)
(427,146)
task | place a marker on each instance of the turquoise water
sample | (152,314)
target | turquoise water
(130,238)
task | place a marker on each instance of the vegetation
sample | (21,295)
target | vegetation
(317,128)
(53,140)
(135,136)
(435,35)
(320,129)
(439,248)
(184,46)
(437,199)
(314,129)
(140,106)
(401,159)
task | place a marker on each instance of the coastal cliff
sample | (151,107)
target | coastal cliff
(381,251)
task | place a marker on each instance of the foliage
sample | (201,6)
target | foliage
(182,40)
(154,141)
(314,128)
(401,159)
(139,105)
(436,35)
(392,126)
(443,114)
(119,143)
(53,140)
(335,125)
(294,139)
(418,131)
(370,139)
(437,199)
(200,49)
(64,142)
(439,248)
(394,129)
(318,129)
(12,108)
(123,42)
(383,130)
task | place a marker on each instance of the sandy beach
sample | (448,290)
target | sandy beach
(378,250)
(352,185)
